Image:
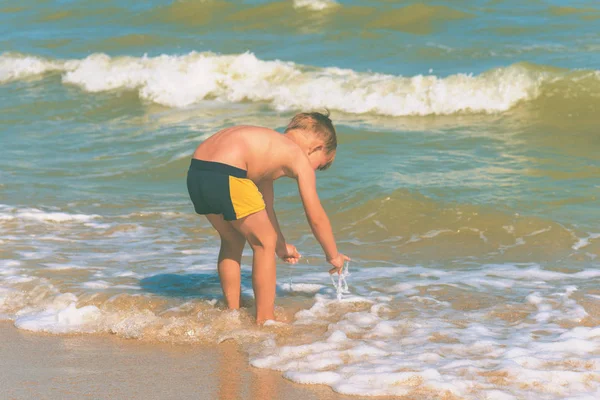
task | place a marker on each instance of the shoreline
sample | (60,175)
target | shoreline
(45,366)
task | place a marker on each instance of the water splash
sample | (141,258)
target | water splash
(341,286)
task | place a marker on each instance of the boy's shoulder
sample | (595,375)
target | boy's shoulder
(262,137)
(273,150)
(254,129)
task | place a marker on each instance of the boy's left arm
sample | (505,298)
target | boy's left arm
(266,188)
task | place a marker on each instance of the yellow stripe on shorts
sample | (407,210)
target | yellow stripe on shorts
(245,197)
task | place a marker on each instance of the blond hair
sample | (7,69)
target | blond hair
(318,124)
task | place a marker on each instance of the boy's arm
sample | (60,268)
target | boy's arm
(317,218)
(266,188)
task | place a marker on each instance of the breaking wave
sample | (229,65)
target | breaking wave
(184,80)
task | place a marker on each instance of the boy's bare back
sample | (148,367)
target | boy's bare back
(265,153)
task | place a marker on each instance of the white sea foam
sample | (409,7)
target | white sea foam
(14,279)
(9,271)
(16,66)
(377,352)
(8,213)
(129,287)
(316,5)
(62,267)
(128,274)
(96,285)
(9,267)
(45,310)
(302,287)
(183,80)
(496,331)
(583,242)
(68,319)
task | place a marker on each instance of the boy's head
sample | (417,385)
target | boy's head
(318,130)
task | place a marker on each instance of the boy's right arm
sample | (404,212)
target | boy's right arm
(317,218)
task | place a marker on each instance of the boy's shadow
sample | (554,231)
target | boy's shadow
(203,285)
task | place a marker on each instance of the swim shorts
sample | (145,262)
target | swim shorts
(217,188)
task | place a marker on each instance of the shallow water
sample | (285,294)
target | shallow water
(465,188)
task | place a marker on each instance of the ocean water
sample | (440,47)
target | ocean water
(465,188)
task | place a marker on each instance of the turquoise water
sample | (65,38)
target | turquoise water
(465,187)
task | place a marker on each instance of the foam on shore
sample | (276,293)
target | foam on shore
(486,332)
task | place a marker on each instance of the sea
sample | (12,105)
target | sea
(465,187)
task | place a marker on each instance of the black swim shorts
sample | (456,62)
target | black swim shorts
(217,188)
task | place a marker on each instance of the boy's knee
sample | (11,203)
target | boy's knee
(266,241)
(232,242)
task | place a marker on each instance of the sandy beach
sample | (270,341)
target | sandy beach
(40,366)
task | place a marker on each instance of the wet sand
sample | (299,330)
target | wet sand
(41,366)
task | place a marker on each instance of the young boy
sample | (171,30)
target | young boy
(230,180)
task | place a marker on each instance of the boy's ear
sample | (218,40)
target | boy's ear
(316,148)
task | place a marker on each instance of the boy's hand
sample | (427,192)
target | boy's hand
(289,254)
(337,262)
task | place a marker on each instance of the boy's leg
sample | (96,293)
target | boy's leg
(230,256)
(260,234)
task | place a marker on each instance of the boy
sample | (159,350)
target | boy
(230,180)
